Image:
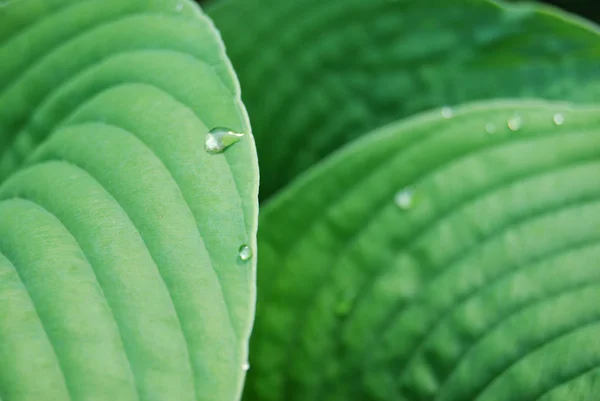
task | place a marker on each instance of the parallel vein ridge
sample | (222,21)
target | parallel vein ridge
(483,287)
(119,234)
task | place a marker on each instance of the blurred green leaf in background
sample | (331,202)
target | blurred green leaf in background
(585,8)
(336,70)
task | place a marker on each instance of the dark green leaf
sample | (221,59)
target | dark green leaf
(445,259)
(316,74)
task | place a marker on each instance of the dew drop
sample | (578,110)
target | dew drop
(245,253)
(246,366)
(515,123)
(447,112)
(404,198)
(219,139)
(179,7)
(558,119)
(490,128)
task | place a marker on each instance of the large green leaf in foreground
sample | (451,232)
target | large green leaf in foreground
(119,235)
(445,259)
(316,74)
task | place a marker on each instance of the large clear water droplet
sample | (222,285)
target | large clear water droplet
(404,198)
(219,139)
(245,253)
(246,366)
(515,123)
(558,119)
(447,112)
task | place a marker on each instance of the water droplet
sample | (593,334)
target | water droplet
(447,112)
(179,7)
(515,123)
(245,253)
(219,139)
(404,198)
(490,128)
(246,366)
(558,119)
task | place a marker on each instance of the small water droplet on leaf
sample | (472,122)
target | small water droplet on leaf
(515,123)
(179,7)
(404,198)
(558,119)
(246,366)
(245,253)
(490,128)
(219,139)
(447,112)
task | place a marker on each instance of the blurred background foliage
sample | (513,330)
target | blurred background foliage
(589,9)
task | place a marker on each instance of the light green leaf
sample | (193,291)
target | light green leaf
(316,74)
(438,259)
(120,277)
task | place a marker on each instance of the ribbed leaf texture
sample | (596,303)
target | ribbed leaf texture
(119,235)
(450,257)
(316,74)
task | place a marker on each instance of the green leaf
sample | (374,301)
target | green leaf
(120,277)
(317,74)
(584,8)
(438,259)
